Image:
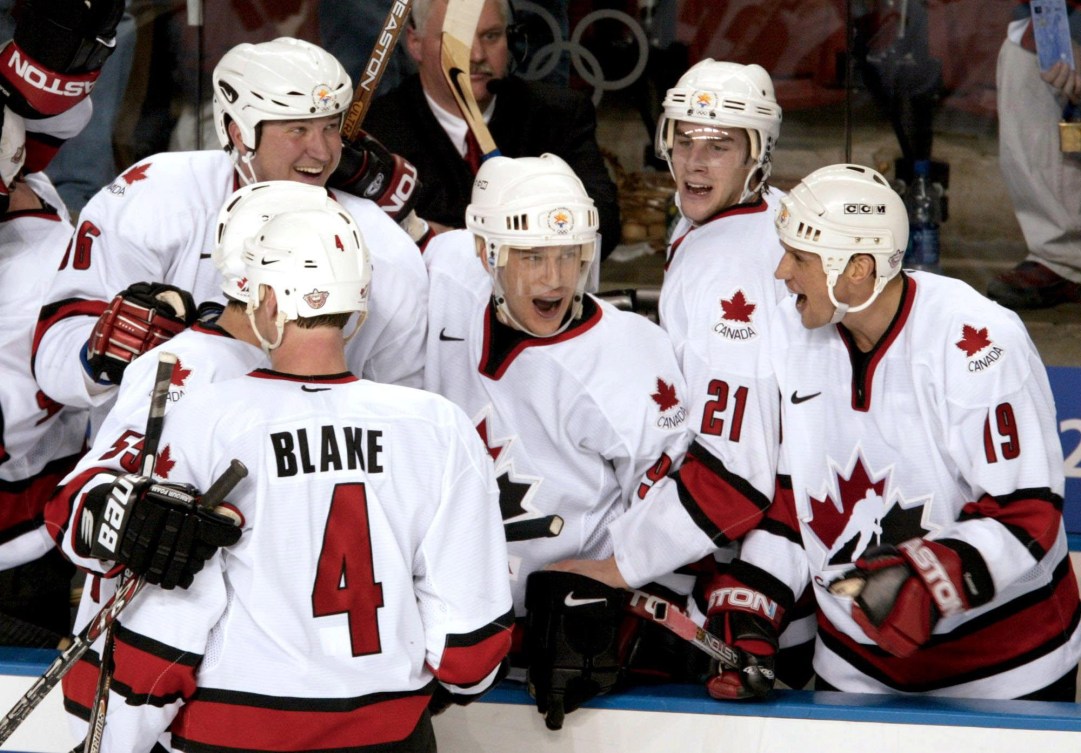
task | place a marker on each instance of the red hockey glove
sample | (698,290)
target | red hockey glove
(57,52)
(368,169)
(137,319)
(748,620)
(905,590)
(156,530)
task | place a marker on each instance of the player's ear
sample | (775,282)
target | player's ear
(860,267)
(234,136)
(478,243)
(413,42)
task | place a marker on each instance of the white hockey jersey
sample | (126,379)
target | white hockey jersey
(715,301)
(205,353)
(572,421)
(945,431)
(40,440)
(156,222)
(371,565)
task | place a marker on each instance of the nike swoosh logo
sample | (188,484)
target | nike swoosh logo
(445,337)
(797,399)
(570,601)
(306,388)
(264,261)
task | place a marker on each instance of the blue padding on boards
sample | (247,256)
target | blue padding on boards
(1066,386)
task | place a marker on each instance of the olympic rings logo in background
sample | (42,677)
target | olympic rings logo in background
(585,64)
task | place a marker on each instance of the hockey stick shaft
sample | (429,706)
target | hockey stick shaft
(671,617)
(534,528)
(102,621)
(155,423)
(459,28)
(375,68)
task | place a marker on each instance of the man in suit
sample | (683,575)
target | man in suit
(420,120)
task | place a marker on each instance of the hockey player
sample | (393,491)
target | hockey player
(717,132)
(143,243)
(912,404)
(575,399)
(39,440)
(372,567)
(209,351)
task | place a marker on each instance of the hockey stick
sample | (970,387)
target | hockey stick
(155,422)
(534,528)
(459,28)
(668,615)
(103,620)
(375,68)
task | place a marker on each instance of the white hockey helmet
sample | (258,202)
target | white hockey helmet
(315,260)
(245,212)
(532,202)
(284,79)
(12,147)
(721,94)
(843,210)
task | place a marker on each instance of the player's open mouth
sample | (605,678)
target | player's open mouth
(309,170)
(801,301)
(547,308)
(697,189)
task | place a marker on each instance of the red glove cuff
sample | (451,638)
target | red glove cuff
(38,91)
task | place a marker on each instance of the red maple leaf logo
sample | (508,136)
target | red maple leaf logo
(180,374)
(493,450)
(136,173)
(973,340)
(831,516)
(164,464)
(738,309)
(665,396)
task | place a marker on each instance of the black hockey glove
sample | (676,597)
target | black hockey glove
(57,53)
(572,641)
(748,620)
(156,530)
(369,170)
(138,318)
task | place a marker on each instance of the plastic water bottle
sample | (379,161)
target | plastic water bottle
(923,218)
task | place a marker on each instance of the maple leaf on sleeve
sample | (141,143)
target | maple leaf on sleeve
(136,173)
(180,374)
(665,396)
(164,463)
(973,340)
(738,309)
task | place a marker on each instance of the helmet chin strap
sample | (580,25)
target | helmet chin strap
(840,310)
(242,161)
(263,342)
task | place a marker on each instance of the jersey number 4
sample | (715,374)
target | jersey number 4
(345,576)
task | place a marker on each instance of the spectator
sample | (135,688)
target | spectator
(388,581)
(420,120)
(1043,183)
(920,494)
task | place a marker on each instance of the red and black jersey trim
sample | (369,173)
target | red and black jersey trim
(149,672)
(721,503)
(80,685)
(54,312)
(343,378)
(22,503)
(503,344)
(865,364)
(1031,515)
(216,720)
(1007,637)
(751,207)
(469,658)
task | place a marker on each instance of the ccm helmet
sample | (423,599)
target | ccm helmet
(843,210)
(531,202)
(284,79)
(722,94)
(245,212)
(316,262)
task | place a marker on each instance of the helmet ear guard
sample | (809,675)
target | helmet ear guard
(532,202)
(843,210)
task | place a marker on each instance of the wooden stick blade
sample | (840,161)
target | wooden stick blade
(459,28)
